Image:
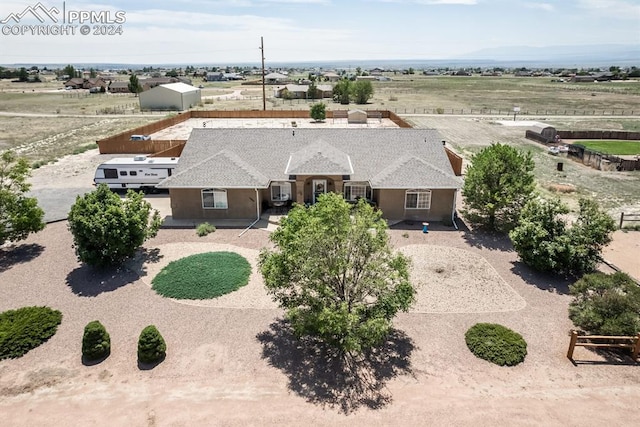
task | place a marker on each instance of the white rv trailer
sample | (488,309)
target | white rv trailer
(139,172)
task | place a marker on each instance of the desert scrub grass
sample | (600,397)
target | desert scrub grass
(204,229)
(496,343)
(96,342)
(26,328)
(203,276)
(151,346)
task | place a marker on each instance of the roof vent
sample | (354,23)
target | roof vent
(139,158)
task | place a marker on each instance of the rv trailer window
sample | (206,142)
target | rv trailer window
(123,173)
(133,173)
(110,173)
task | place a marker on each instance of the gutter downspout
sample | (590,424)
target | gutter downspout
(453,211)
(257,214)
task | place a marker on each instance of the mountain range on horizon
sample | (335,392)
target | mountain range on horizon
(567,56)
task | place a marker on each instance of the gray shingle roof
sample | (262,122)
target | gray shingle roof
(319,158)
(251,158)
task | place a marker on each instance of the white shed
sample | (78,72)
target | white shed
(171,96)
(356,116)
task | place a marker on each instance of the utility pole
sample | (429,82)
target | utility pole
(264,96)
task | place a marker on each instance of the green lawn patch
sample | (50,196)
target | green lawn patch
(605,146)
(203,276)
(26,328)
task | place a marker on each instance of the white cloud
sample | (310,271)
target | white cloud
(542,6)
(621,9)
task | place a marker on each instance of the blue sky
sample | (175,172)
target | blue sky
(227,32)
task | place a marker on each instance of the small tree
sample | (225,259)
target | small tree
(151,346)
(23,75)
(497,185)
(106,229)
(96,342)
(606,304)
(312,92)
(134,85)
(318,112)
(335,274)
(362,91)
(544,242)
(19,214)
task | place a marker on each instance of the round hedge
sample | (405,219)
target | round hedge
(496,344)
(96,342)
(151,346)
(203,276)
(26,328)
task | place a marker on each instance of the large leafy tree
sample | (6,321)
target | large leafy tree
(342,91)
(362,91)
(334,273)
(107,229)
(19,214)
(497,185)
(606,304)
(544,241)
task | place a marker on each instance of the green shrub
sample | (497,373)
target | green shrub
(606,304)
(203,276)
(151,346)
(496,344)
(26,328)
(204,229)
(96,343)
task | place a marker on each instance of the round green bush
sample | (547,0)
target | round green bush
(96,343)
(496,344)
(151,346)
(203,276)
(26,328)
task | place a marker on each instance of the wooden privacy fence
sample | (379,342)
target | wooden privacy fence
(628,217)
(632,343)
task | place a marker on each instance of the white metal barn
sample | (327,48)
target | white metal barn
(171,96)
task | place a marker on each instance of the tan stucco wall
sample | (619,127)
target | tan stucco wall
(391,202)
(187,204)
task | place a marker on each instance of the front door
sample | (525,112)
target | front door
(319,187)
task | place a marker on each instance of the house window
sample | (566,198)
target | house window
(354,191)
(111,173)
(417,199)
(214,198)
(280,191)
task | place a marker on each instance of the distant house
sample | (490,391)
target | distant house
(119,87)
(523,73)
(75,83)
(276,78)
(331,76)
(236,173)
(583,79)
(293,91)
(172,96)
(95,82)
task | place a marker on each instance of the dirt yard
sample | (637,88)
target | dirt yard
(233,362)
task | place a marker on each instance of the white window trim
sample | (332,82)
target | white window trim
(363,185)
(213,192)
(420,195)
(281,184)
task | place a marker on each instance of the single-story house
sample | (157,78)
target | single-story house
(331,76)
(276,78)
(583,79)
(119,87)
(293,91)
(76,83)
(238,173)
(172,96)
